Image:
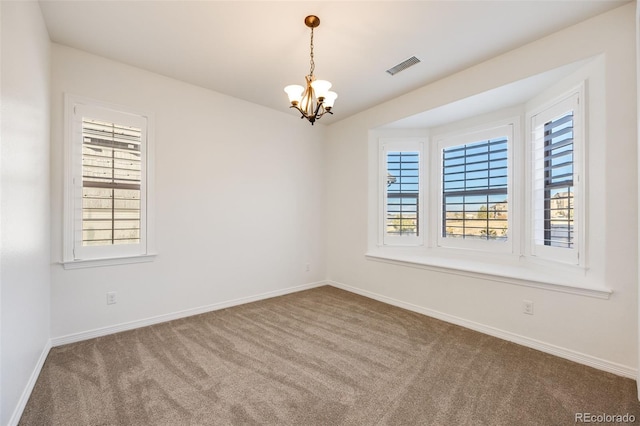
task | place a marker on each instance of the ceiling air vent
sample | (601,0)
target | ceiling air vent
(403,65)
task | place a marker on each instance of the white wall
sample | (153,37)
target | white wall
(587,328)
(24,207)
(239,200)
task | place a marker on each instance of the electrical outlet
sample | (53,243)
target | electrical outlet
(111,297)
(307,267)
(527,307)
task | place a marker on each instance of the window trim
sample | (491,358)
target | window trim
(103,256)
(386,145)
(523,272)
(577,255)
(509,127)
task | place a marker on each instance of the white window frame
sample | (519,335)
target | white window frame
(536,119)
(75,255)
(508,128)
(385,146)
(542,268)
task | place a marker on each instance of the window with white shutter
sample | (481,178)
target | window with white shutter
(556,196)
(475,185)
(108,179)
(474,190)
(111,183)
(402,174)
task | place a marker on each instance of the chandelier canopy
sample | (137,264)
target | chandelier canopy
(314,100)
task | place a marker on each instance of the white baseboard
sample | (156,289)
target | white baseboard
(581,358)
(26,393)
(90,334)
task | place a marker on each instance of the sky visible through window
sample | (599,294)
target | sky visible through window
(558,181)
(474,190)
(402,196)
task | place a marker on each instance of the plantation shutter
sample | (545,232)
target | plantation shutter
(474,190)
(557,205)
(555,183)
(401,182)
(403,173)
(111,183)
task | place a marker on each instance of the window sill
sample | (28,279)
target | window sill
(514,271)
(95,263)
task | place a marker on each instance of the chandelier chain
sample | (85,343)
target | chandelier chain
(312,63)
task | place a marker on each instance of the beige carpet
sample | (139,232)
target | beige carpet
(318,357)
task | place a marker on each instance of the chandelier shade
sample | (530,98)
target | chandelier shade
(294,91)
(314,99)
(321,87)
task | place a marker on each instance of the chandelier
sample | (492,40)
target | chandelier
(314,100)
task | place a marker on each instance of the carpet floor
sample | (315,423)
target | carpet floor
(317,357)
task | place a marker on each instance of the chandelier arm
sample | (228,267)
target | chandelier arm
(302,113)
(315,113)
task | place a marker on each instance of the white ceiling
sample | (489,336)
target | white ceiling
(252,49)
